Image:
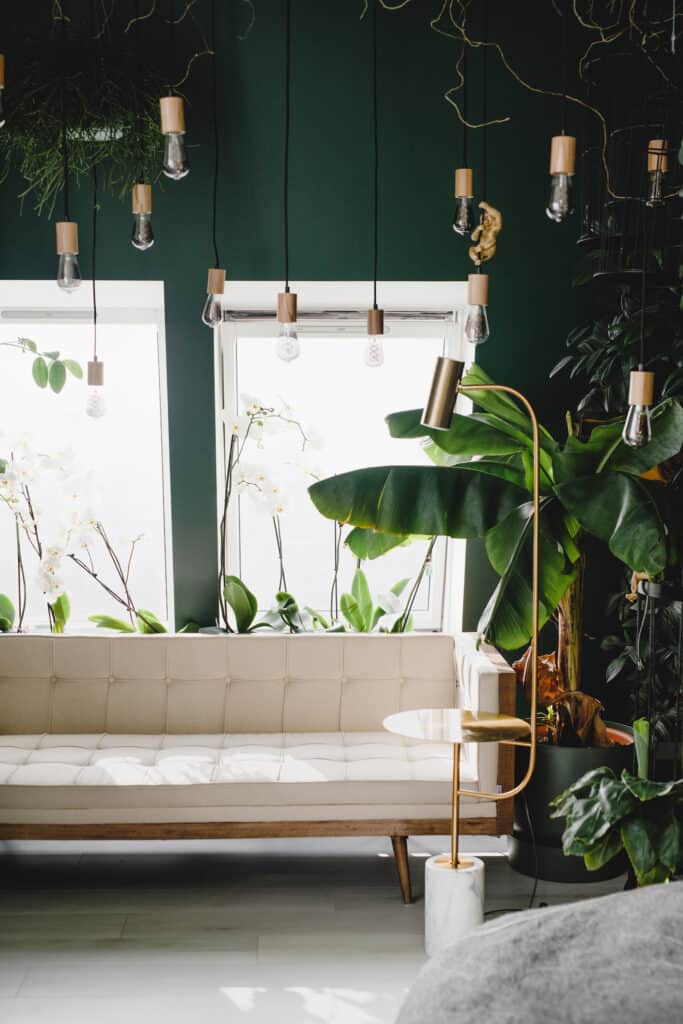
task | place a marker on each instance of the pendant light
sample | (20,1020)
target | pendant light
(374,349)
(2,90)
(176,163)
(68,268)
(463,217)
(287,345)
(476,330)
(142,237)
(637,430)
(657,166)
(562,151)
(95,403)
(212,313)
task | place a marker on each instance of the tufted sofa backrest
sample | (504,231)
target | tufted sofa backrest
(214,684)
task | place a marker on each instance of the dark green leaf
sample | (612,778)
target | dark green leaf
(467,435)
(671,846)
(646,789)
(243,603)
(40,372)
(57,376)
(603,850)
(107,622)
(190,627)
(639,836)
(368,544)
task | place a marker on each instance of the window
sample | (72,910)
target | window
(113,469)
(340,404)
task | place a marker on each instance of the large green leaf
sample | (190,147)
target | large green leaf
(671,845)
(622,511)
(370,544)
(360,591)
(603,850)
(507,619)
(503,405)
(61,610)
(467,435)
(243,603)
(107,622)
(148,623)
(427,500)
(7,614)
(352,613)
(639,837)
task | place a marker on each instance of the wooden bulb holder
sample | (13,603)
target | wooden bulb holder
(478,290)
(95,374)
(563,154)
(286,307)
(2,71)
(215,283)
(142,199)
(464,183)
(658,155)
(67,237)
(641,387)
(172,110)
(375,321)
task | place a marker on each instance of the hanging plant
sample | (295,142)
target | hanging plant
(102,98)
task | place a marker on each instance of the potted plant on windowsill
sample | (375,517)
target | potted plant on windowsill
(480,486)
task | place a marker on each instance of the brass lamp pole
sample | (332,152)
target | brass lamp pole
(438,413)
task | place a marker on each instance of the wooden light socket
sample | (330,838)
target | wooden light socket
(2,71)
(464,183)
(375,321)
(562,154)
(286,307)
(142,198)
(641,387)
(67,236)
(658,155)
(215,284)
(478,290)
(172,115)
(95,374)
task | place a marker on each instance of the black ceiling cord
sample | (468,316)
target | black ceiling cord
(94,258)
(565,63)
(288,49)
(214,87)
(464,104)
(65,141)
(375,138)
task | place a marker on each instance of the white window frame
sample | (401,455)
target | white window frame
(412,309)
(118,302)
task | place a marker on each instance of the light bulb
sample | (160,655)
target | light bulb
(374,350)
(212,314)
(287,345)
(176,162)
(463,218)
(560,202)
(655,188)
(96,404)
(476,325)
(637,430)
(143,235)
(2,107)
(657,166)
(68,271)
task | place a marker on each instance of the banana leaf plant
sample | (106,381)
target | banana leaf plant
(480,485)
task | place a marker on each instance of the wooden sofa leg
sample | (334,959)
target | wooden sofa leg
(400,845)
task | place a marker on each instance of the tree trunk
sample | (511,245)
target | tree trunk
(570,630)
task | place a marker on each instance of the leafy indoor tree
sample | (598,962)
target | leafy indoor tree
(480,486)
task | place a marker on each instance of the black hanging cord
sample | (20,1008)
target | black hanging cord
(171,42)
(565,63)
(94,259)
(65,142)
(288,48)
(214,87)
(485,107)
(375,140)
(464,105)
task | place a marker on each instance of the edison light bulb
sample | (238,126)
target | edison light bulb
(463,218)
(287,345)
(637,430)
(374,350)
(176,164)
(96,404)
(2,107)
(68,271)
(143,235)
(560,202)
(476,317)
(212,314)
(657,166)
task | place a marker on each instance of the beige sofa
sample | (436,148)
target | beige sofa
(241,736)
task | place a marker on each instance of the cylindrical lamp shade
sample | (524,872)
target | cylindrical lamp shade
(2,71)
(562,154)
(658,155)
(142,198)
(438,411)
(95,374)
(67,237)
(172,115)
(286,307)
(215,284)
(641,388)
(478,289)
(375,321)
(464,186)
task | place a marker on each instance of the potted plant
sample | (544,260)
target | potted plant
(480,486)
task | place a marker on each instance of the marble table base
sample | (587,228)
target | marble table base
(454,901)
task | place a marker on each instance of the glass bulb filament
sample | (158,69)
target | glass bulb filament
(637,430)
(143,235)
(463,218)
(655,190)
(68,271)
(95,405)
(374,350)
(476,325)
(560,202)
(176,162)
(212,314)
(287,345)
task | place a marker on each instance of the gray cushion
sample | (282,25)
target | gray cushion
(614,959)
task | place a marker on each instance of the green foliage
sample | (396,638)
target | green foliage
(606,815)
(146,621)
(7,614)
(108,622)
(61,610)
(47,368)
(364,616)
(641,738)
(243,603)
(481,486)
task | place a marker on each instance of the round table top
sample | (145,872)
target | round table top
(451,725)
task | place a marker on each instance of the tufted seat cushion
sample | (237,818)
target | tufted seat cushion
(223,776)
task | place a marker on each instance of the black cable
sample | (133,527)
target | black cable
(94,259)
(171,42)
(285,181)
(464,105)
(565,52)
(375,134)
(485,102)
(65,143)
(214,86)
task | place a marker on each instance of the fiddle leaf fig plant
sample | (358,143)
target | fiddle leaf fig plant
(480,485)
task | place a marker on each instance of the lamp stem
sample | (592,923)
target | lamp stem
(455,817)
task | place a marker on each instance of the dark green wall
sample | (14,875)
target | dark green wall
(531,302)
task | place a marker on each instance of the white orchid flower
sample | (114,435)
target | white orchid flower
(237,424)
(391,603)
(251,405)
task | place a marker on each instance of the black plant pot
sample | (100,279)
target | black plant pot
(535,847)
